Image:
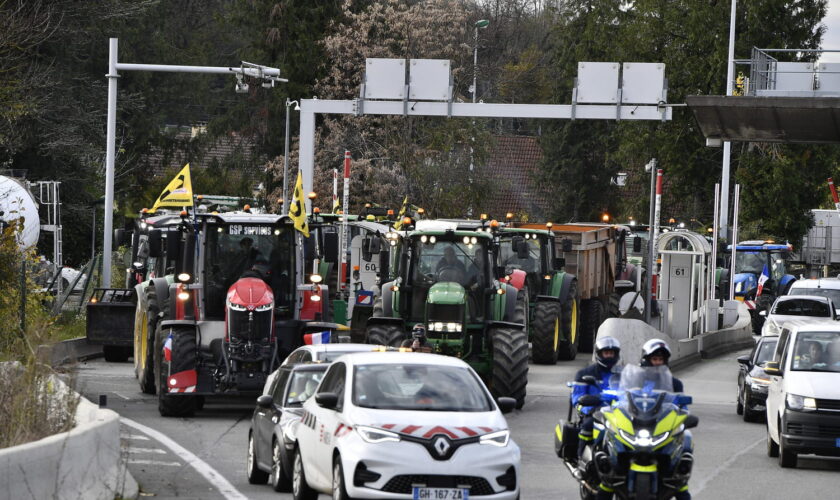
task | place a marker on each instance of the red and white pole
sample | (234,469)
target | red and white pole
(657,208)
(335,190)
(345,206)
(834,194)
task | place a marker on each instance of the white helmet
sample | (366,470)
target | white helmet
(655,346)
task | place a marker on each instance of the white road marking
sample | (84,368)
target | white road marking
(137,437)
(722,467)
(209,473)
(146,450)
(124,397)
(155,462)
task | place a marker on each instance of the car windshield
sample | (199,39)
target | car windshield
(750,262)
(419,387)
(833,294)
(765,352)
(802,307)
(816,352)
(302,385)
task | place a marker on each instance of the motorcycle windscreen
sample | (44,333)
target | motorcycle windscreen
(646,378)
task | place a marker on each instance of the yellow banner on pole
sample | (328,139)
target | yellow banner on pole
(178,192)
(297,210)
(399,223)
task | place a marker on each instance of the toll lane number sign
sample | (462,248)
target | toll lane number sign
(679,272)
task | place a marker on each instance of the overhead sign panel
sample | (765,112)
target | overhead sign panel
(384,78)
(429,79)
(597,82)
(642,83)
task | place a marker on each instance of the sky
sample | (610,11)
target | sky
(831,38)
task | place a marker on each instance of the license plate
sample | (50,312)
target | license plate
(441,493)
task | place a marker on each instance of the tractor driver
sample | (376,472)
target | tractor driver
(244,260)
(450,261)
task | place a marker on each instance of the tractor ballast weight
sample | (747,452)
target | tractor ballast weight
(444,280)
(232,309)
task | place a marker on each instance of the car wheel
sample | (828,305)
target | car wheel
(339,489)
(772,447)
(749,415)
(255,475)
(279,479)
(300,488)
(787,458)
(739,408)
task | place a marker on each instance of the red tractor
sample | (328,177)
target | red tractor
(234,307)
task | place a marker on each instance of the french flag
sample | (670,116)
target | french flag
(765,275)
(167,348)
(317,338)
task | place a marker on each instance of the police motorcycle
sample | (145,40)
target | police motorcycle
(641,449)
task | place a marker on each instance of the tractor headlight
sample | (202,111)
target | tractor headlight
(439,326)
(266,307)
(739,287)
(183,295)
(374,435)
(184,277)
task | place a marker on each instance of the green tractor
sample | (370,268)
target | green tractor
(529,262)
(445,280)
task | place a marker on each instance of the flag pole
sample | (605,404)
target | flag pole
(344,228)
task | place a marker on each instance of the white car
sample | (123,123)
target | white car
(826,287)
(803,399)
(404,425)
(786,308)
(325,353)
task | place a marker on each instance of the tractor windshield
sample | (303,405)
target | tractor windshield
(750,262)
(262,251)
(459,259)
(510,259)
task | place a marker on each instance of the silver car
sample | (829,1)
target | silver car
(797,307)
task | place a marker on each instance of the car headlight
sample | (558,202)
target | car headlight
(498,438)
(643,438)
(800,403)
(374,435)
(757,383)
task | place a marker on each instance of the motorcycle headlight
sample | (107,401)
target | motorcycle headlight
(800,403)
(643,438)
(498,438)
(374,435)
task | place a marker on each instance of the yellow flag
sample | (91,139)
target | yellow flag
(178,192)
(297,210)
(400,216)
(336,205)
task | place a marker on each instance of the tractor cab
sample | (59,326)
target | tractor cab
(530,251)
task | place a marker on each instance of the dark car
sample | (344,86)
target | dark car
(269,446)
(752,381)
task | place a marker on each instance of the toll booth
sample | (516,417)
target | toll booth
(683,282)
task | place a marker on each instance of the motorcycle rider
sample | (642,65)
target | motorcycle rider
(607,353)
(655,352)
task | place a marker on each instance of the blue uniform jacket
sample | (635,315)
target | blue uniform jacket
(601,374)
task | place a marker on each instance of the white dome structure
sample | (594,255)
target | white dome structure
(18,204)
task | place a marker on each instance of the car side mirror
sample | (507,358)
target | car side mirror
(327,400)
(589,400)
(691,421)
(506,405)
(265,401)
(772,368)
(589,379)
(744,360)
(637,244)
(763,313)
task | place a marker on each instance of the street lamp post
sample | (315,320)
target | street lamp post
(481,23)
(286,154)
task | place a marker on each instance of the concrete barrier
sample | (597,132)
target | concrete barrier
(68,351)
(84,462)
(633,333)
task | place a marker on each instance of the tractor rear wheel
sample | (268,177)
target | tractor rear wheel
(593,316)
(389,335)
(510,363)
(144,359)
(546,332)
(183,358)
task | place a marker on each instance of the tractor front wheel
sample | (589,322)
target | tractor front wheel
(546,332)
(144,358)
(183,358)
(510,363)
(389,335)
